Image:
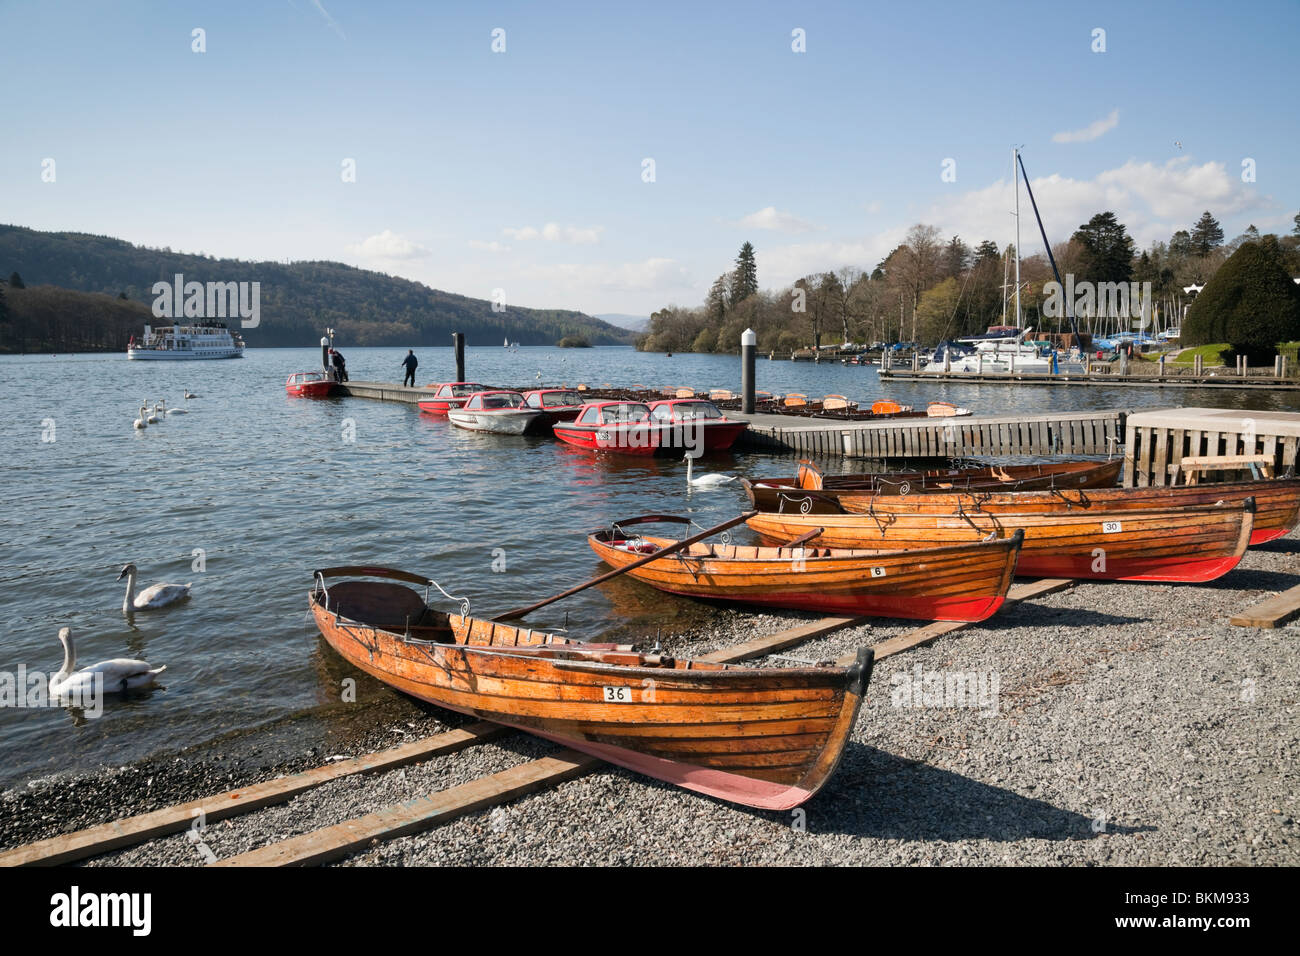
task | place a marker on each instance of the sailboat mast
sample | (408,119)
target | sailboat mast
(1015,171)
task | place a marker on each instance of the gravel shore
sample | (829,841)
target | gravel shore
(1125,724)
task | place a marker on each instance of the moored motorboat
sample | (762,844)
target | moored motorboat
(622,427)
(812,492)
(765,737)
(318,384)
(1177,544)
(560,404)
(966,582)
(500,412)
(449,395)
(694,425)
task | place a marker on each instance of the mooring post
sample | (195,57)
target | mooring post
(916,360)
(1197,364)
(458,342)
(325,352)
(748,348)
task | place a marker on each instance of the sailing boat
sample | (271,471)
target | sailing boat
(1005,348)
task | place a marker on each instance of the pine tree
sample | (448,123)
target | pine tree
(1107,254)
(1207,234)
(16,281)
(956,257)
(717,300)
(988,249)
(745,281)
(1180,245)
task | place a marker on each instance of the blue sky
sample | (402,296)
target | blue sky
(522,170)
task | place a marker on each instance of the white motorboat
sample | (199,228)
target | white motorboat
(499,412)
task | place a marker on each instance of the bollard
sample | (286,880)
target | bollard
(916,361)
(1197,364)
(748,347)
(324,352)
(458,343)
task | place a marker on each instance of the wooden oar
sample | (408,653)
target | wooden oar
(670,549)
(803,537)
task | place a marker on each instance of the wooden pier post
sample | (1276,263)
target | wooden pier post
(748,346)
(458,343)
(1198,365)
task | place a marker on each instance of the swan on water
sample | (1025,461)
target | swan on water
(175,411)
(153,415)
(155,596)
(710,480)
(140,422)
(189,394)
(120,674)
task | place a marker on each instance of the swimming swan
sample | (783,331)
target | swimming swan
(151,598)
(140,422)
(120,674)
(711,480)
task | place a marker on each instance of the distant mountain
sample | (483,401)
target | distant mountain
(634,323)
(298,300)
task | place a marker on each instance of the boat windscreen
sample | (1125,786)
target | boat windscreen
(559,399)
(625,412)
(503,401)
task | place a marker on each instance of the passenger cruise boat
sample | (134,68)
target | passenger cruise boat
(207,340)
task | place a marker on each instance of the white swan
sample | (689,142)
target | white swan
(140,422)
(151,598)
(120,674)
(153,415)
(711,480)
(175,411)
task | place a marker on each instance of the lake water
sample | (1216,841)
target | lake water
(268,487)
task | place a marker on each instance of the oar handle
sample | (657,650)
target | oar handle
(669,549)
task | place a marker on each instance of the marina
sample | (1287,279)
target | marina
(520,784)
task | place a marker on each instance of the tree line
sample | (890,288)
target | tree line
(930,288)
(298,300)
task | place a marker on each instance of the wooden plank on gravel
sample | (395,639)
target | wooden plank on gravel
(775,642)
(330,843)
(147,826)
(924,635)
(1274,612)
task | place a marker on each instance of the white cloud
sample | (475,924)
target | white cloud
(492,246)
(1090,132)
(770,217)
(1151,199)
(388,245)
(554,232)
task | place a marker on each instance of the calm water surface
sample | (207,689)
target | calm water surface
(268,488)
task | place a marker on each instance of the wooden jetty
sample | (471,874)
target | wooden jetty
(1055,433)
(1160,441)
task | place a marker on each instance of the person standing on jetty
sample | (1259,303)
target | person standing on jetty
(411,363)
(340,366)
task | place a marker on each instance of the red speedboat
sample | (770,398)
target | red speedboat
(449,395)
(694,424)
(622,427)
(561,404)
(310,384)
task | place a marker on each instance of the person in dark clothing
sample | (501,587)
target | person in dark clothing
(411,363)
(340,366)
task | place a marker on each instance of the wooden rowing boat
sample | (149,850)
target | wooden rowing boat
(966,582)
(813,492)
(765,737)
(1172,544)
(1277,502)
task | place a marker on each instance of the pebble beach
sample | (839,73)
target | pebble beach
(1118,724)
